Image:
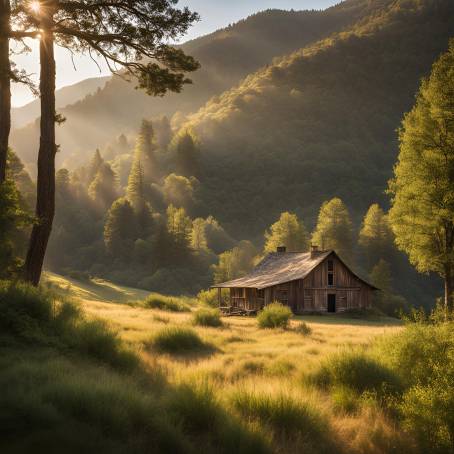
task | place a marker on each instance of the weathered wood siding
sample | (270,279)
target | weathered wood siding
(311,293)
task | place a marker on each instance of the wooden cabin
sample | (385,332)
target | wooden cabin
(316,281)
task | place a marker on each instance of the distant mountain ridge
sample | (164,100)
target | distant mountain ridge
(227,56)
(320,122)
(64,96)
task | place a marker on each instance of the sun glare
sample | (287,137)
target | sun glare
(35,6)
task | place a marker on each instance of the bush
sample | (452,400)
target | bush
(275,315)
(344,399)
(357,371)
(210,297)
(208,317)
(303,328)
(176,340)
(165,303)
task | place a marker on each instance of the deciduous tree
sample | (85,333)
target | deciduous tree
(288,231)
(422,213)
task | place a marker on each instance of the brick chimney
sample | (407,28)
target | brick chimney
(281,249)
(314,250)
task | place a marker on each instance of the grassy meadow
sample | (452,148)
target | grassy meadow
(264,377)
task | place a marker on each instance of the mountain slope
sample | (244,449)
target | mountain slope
(226,57)
(321,122)
(65,96)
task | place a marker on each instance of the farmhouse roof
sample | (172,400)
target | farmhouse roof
(280,267)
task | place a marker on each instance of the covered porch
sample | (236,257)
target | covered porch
(240,300)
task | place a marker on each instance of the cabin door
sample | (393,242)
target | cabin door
(331,303)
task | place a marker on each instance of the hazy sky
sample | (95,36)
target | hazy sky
(214,14)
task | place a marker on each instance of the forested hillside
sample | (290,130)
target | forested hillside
(320,122)
(226,57)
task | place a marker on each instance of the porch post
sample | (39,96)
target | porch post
(219,296)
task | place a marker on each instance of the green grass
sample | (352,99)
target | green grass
(275,315)
(165,303)
(358,371)
(179,340)
(207,317)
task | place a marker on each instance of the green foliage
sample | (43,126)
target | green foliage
(187,155)
(334,229)
(422,210)
(210,297)
(135,188)
(287,418)
(196,410)
(34,317)
(165,303)
(179,191)
(344,399)
(103,187)
(179,340)
(357,371)
(198,235)
(145,151)
(375,236)
(235,263)
(303,328)
(275,315)
(288,231)
(208,317)
(423,356)
(120,230)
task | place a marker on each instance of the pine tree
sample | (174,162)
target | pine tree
(187,156)
(375,236)
(288,231)
(120,230)
(422,213)
(135,188)
(334,229)
(146,151)
(179,226)
(103,189)
(95,164)
(131,37)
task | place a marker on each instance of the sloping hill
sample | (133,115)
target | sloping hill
(70,94)
(322,121)
(226,56)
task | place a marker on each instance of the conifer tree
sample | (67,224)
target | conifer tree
(179,225)
(95,164)
(135,188)
(334,229)
(146,151)
(288,231)
(187,156)
(132,38)
(120,230)
(103,189)
(422,213)
(375,236)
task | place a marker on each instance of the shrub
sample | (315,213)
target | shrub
(344,399)
(176,340)
(303,328)
(357,371)
(275,315)
(208,317)
(165,303)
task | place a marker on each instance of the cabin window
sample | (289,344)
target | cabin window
(330,273)
(261,293)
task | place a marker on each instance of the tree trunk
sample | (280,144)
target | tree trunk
(45,198)
(5,85)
